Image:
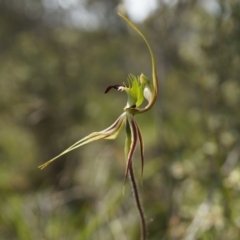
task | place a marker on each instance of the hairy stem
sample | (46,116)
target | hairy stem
(138,203)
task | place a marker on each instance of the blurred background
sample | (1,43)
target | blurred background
(56,59)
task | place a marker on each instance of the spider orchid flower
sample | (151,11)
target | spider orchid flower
(139,89)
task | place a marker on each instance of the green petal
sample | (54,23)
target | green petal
(108,133)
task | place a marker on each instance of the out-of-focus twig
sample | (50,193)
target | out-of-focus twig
(206,205)
(202,212)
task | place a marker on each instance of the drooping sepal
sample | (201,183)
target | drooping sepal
(133,135)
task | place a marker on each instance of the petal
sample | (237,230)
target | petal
(147,93)
(109,133)
(141,145)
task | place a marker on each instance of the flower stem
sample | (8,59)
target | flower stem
(138,203)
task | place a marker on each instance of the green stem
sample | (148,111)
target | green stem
(138,203)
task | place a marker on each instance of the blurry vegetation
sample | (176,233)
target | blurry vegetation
(52,80)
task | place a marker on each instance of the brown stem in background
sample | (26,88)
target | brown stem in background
(138,203)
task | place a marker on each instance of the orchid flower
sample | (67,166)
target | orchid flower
(139,88)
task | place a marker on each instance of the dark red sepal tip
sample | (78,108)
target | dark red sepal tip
(110,87)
